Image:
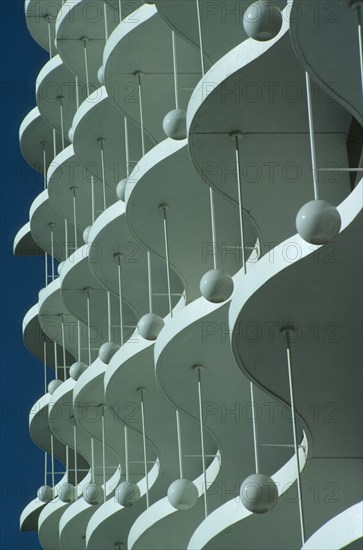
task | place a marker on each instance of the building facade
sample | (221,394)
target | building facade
(199,325)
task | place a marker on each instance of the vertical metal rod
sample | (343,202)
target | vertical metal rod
(45,364)
(101,141)
(45,468)
(180,449)
(103,453)
(255,438)
(141,117)
(312,135)
(89,327)
(93,199)
(149,279)
(75,219)
(126,454)
(66,237)
(46,268)
(50,39)
(200,38)
(127,151)
(64,351)
(55,359)
(360,46)
(75,455)
(109,327)
(44,165)
(175,67)
(86,64)
(120,10)
(52,459)
(77,93)
(67,463)
(62,121)
(120,301)
(240,206)
(105,18)
(93,459)
(79,340)
(52,249)
(144,446)
(54,143)
(296,448)
(202,442)
(213,224)
(165,223)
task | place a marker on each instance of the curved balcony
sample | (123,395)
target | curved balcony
(142,45)
(36,141)
(314,31)
(150,186)
(221,24)
(187,209)
(235,95)
(24,244)
(72,192)
(327,302)
(111,235)
(58,95)
(98,123)
(81,22)
(40,19)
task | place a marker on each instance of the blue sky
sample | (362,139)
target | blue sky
(21,279)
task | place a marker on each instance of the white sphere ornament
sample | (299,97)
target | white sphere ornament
(77,369)
(262,20)
(121,189)
(150,326)
(216,286)
(93,493)
(101,75)
(258,493)
(127,493)
(66,492)
(41,293)
(53,385)
(60,267)
(86,233)
(70,134)
(318,222)
(45,493)
(107,351)
(175,124)
(182,494)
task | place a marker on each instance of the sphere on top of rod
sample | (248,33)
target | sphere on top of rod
(86,233)
(45,493)
(60,267)
(53,385)
(93,493)
(216,286)
(175,124)
(318,222)
(258,493)
(107,351)
(262,20)
(66,492)
(127,493)
(121,188)
(101,75)
(182,494)
(150,326)
(77,369)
